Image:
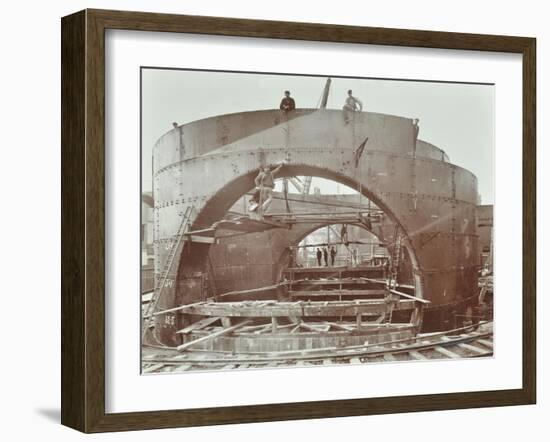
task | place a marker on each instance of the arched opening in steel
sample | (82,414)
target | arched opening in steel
(195,257)
(329,234)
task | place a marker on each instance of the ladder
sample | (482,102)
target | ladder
(395,258)
(167,270)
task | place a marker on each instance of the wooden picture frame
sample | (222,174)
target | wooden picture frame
(83,220)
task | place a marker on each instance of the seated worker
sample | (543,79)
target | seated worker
(287,103)
(353,104)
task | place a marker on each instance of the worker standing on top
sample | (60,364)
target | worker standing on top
(353,104)
(266,183)
(416,129)
(319,256)
(287,103)
(325,256)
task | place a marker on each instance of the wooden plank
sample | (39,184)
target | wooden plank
(198,325)
(446,352)
(249,225)
(418,356)
(279,327)
(200,239)
(279,309)
(152,368)
(388,357)
(182,367)
(332,296)
(376,281)
(338,282)
(334,270)
(263,329)
(363,350)
(342,327)
(406,295)
(252,328)
(314,328)
(256,290)
(274,324)
(295,329)
(154,358)
(202,232)
(223,331)
(485,342)
(333,293)
(472,348)
(325,284)
(378,320)
(175,309)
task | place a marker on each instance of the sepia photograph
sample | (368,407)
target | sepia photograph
(311,220)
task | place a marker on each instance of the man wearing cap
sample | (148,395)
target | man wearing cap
(287,103)
(353,104)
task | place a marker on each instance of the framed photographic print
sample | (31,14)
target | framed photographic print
(270,220)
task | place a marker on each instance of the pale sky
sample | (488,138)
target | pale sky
(458,118)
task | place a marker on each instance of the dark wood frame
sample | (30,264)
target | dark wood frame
(83,216)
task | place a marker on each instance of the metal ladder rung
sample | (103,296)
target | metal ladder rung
(166,269)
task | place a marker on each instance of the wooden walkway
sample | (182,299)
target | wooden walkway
(465,342)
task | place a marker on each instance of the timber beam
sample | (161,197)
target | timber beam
(295,309)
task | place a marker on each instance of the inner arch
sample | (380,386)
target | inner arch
(217,207)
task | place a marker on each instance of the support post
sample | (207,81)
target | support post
(274,324)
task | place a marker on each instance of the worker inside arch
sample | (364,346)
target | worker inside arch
(327,247)
(344,234)
(366,220)
(263,194)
